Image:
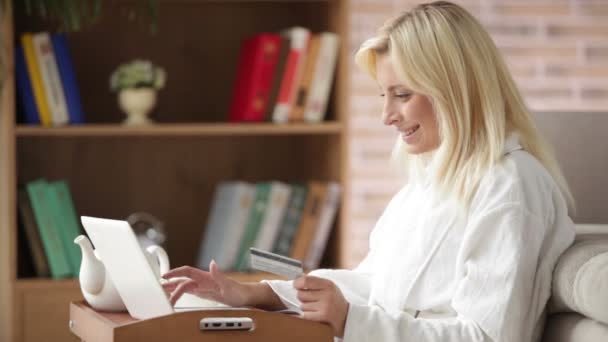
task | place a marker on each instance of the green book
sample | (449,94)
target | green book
(51,238)
(258,209)
(64,214)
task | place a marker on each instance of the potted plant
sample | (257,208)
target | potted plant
(137,83)
(71,15)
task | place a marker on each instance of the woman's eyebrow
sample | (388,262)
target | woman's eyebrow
(395,86)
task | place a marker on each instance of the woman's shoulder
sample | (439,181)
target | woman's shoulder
(518,179)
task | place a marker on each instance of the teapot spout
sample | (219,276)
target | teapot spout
(92,271)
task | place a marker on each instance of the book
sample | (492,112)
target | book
(32,235)
(36,79)
(324,225)
(50,77)
(68,225)
(317,191)
(275,211)
(318,94)
(277,77)
(226,224)
(68,78)
(297,111)
(291,219)
(254,221)
(298,37)
(258,59)
(25,91)
(49,233)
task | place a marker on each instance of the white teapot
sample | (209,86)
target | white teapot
(97,287)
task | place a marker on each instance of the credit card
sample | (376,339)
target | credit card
(275,263)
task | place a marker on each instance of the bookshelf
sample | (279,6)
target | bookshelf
(169,169)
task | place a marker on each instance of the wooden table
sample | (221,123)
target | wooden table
(93,326)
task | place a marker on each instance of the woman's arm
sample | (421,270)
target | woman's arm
(262,296)
(504,266)
(216,286)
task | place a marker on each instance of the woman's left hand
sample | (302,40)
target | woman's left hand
(322,301)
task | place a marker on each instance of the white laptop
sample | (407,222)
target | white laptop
(128,267)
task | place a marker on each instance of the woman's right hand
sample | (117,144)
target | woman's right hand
(212,285)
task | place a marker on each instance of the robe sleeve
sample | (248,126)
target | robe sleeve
(499,297)
(355,284)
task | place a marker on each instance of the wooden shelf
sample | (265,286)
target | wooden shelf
(46,284)
(183,129)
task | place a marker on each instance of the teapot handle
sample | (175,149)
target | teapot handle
(161,256)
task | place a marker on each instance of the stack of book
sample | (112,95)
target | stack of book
(46,82)
(284,77)
(294,220)
(50,225)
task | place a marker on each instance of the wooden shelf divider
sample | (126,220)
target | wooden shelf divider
(187,129)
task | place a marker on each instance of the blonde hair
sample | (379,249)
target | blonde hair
(441,51)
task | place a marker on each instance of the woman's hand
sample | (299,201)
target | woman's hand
(212,285)
(322,301)
(216,286)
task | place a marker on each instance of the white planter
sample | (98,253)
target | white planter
(137,103)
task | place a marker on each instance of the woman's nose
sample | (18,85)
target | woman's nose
(389,115)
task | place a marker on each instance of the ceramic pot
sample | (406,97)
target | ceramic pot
(137,103)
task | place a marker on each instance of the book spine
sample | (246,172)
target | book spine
(50,78)
(67,219)
(254,79)
(277,76)
(254,221)
(36,79)
(326,219)
(297,112)
(24,89)
(51,239)
(213,237)
(316,104)
(291,220)
(68,78)
(277,204)
(308,223)
(242,204)
(291,77)
(33,236)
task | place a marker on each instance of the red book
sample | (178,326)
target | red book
(258,59)
(298,37)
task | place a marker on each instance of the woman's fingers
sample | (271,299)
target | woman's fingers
(307,282)
(184,287)
(215,272)
(184,271)
(307,296)
(172,284)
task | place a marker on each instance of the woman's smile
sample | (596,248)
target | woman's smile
(407,134)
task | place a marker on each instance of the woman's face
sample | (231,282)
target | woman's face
(411,113)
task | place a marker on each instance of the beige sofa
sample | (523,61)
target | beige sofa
(578,308)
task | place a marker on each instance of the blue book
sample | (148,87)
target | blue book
(68,77)
(24,89)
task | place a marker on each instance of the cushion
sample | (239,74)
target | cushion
(572,327)
(580,280)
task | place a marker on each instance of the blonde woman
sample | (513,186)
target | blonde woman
(465,251)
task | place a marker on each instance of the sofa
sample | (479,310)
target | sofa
(578,308)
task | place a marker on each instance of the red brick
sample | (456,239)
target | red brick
(597,53)
(528,8)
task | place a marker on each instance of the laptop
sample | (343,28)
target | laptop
(126,264)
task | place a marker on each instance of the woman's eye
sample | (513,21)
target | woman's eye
(402,96)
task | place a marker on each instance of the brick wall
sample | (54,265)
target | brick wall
(557,51)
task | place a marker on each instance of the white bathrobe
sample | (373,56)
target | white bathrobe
(434,274)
